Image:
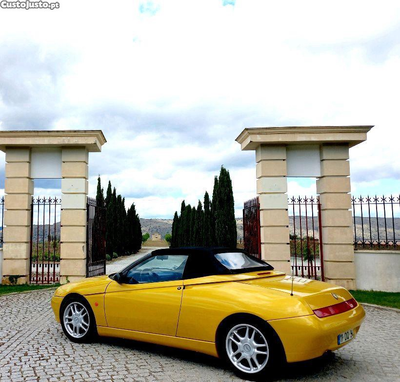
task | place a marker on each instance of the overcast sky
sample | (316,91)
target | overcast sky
(172,83)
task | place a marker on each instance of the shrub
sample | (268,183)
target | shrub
(115,255)
(108,257)
(168,238)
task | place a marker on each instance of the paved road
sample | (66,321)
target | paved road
(33,348)
(122,262)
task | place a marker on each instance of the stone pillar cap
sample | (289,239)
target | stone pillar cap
(251,138)
(92,140)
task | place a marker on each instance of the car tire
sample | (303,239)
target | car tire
(77,320)
(250,348)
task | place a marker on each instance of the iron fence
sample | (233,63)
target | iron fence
(376,222)
(251,227)
(96,239)
(306,249)
(45,240)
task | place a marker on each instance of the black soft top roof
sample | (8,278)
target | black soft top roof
(201,261)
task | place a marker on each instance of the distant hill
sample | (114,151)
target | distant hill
(164,226)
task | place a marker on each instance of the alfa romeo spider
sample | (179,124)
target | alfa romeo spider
(221,302)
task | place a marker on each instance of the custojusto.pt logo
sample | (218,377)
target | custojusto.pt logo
(29,4)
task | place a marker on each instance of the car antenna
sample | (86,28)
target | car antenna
(291,289)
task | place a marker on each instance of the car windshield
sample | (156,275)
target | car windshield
(238,261)
(158,268)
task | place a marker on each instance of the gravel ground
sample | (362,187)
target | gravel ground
(34,348)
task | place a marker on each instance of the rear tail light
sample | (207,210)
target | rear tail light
(336,309)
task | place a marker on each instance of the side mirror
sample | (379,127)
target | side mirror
(117,277)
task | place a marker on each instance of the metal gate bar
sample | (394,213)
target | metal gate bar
(305,237)
(251,227)
(96,239)
(45,241)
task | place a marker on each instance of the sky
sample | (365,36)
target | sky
(172,83)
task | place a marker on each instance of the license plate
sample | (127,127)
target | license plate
(345,337)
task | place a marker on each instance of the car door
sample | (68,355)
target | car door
(152,303)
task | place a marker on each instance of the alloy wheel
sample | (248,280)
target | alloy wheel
(247,348)
(76,319)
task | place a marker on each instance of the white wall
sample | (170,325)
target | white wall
(378,270)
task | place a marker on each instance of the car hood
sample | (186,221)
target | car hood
(92,285)
(315,293)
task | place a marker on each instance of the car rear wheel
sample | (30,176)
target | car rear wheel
(250,349)
(77,320)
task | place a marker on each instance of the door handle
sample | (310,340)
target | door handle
(179,287)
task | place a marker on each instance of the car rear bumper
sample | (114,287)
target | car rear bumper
(309,337)
(55,305)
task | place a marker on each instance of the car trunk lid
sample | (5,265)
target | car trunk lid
(315,293)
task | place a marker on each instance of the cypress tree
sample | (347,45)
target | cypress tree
(175,229)
(199,226)
(114,221)
(193,233)
(208,222)
(110,226)
(181,226)
(99,194)
(109,194)
(214,211)
(137,242)
(225,222)
(134,233)
(187,220)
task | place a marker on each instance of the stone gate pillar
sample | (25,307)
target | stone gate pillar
(17,215)
(320,152)
(74,189)
(45,154)
(274,221)
(333,186)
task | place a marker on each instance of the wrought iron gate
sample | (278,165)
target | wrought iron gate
(96,239)
(45,241)
(251,227)
(306,249)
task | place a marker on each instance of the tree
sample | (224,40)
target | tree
(214,210)
(145,237)
(109,194)
(208,222)
(215,225)
(198,236)
(110,225)
(175,230)
(168,238)
(134,230)
(99,194)
(124,231)
(224,210)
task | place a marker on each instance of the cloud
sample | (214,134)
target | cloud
(31,84)
(149,8)
(173,82)
(228,2)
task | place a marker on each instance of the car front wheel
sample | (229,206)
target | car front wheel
(77,320)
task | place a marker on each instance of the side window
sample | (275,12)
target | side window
(158,268)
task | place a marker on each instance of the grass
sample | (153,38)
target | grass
(5,289)
(155,243)
(391,300)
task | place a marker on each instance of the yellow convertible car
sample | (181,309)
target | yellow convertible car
(215,301)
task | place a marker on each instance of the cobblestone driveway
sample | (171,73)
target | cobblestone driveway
(33,348)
